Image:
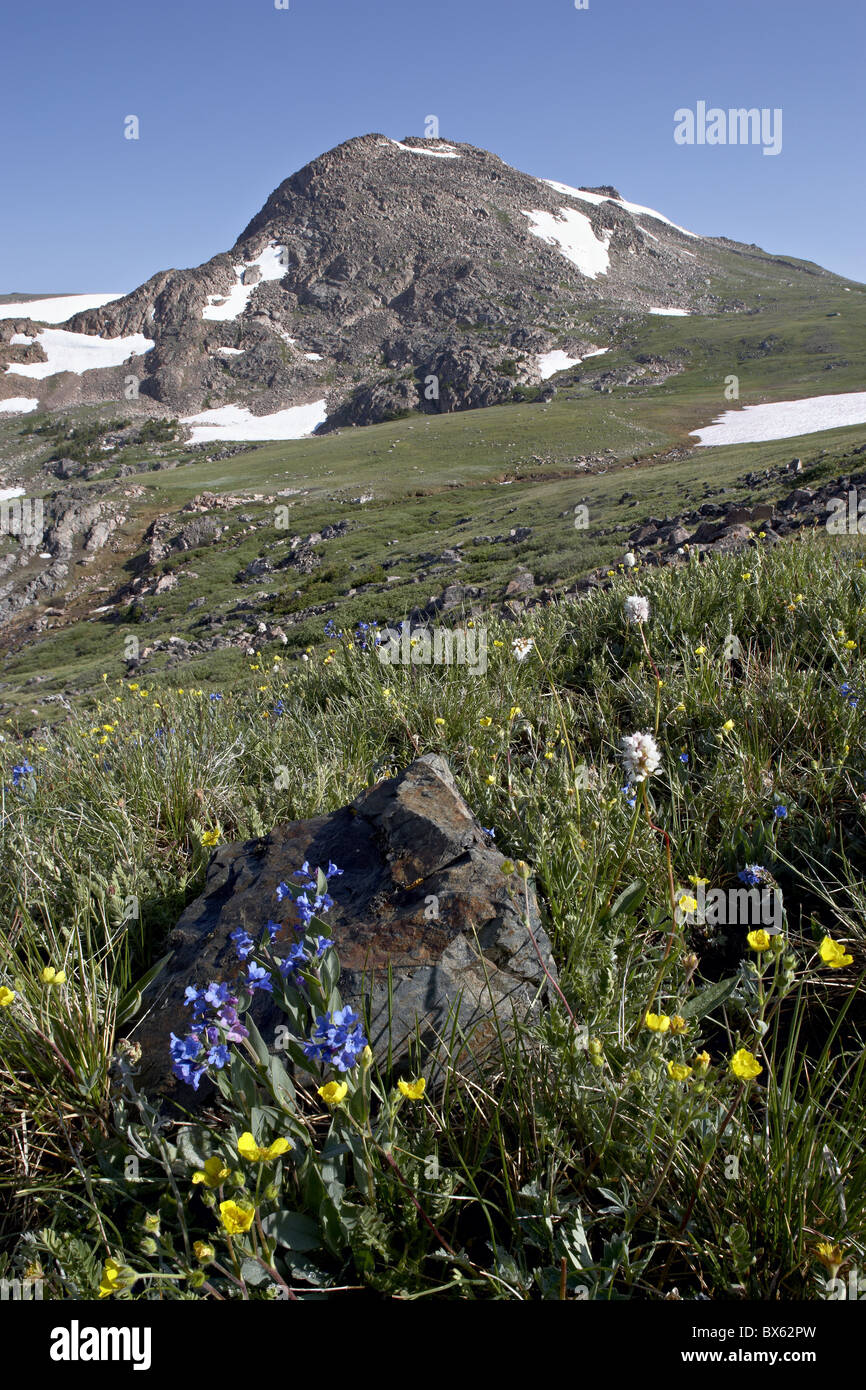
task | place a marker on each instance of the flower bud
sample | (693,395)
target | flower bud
(147,1245)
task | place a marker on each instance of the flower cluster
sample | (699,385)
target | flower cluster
(636,609)
(640,756)
(337,1039)
(755,876)
(215,1023)
(23,770)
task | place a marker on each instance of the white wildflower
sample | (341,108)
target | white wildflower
(636,609)
(640,756)
(521,647)
(629,559)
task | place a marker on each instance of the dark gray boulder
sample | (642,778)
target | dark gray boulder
(422,894)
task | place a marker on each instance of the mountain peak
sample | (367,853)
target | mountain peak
(389,276)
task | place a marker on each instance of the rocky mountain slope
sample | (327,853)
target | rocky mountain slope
(388,277)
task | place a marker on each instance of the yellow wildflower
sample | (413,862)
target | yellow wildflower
(110,1281)
(759,940)
(657,1023)
(249,1149)
(678,1025)
(236,1217)
(678,1071)
(745,1065)
(50,976)
(333,1092)
(213,1173)
(414,1090)
(6,996)
(831,1256)
(834,955)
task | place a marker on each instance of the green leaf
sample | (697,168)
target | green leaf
(294,1230)
(253,1274)
(260,1047)
(710,998)
(129,1004)
(628,899)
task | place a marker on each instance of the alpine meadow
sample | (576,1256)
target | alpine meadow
(433,642)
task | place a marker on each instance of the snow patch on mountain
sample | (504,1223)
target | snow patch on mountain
(556,361)
(80,352)
(636,209)
(225,307)
(571,233)
(234,422)
(754,424)
(671,313)
(443,151)
(18,405)
(57,309)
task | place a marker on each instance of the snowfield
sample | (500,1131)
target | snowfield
(784,419)
(18,405)
(636,209)
(80,352)
(671,313)
(572,234)
(229,306)
(235,422)
(8,493)
(56,310)
(551,362)
(443,152)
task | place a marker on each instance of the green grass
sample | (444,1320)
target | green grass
(575,1165)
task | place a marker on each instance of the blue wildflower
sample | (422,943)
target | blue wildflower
(322,944)
(195,999)
(337,1039)
(215,695)
(244,944)
(258,978)
(754,875)
(23,770)
(780,812)
(272,928)
(217,994)
(297,956)
(332,871)
(186,1049)
(684,757)
(218,1056)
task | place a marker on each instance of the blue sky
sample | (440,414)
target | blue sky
(234,95)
